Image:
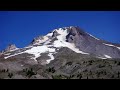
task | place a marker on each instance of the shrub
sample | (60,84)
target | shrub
(30,72)
(56,77)
(85,70)
(118,74)
(79,76)
(10,75)
(51,69)
(100,66)
(69,63)
(4,70)
(118,63)
(112,76)
(115,62)
(60,77)
(90,73)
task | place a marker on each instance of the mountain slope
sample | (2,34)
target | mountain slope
(73,38)
(59,48)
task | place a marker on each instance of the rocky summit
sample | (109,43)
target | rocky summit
(11,47)
(64,53)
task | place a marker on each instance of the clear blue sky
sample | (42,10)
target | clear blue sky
(20,27)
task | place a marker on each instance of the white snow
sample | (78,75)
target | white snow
(111,45)
(38,50)
(49,34)
(47,42)
(21,65)
(108,44)
(101,58)
(39,41)
(45,38)
(118,47)
(93,36)
(8,54)
(107,56)
(62,35)
(51,58)
(61,42)
(72,47)
(14,49)
(35,51)
(13,55)
(28,46)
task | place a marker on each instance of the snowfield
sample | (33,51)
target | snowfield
(36,51)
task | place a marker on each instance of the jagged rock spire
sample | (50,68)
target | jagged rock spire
(11,47)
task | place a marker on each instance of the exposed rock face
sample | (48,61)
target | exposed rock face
(39,40)
(36,40)
(55,33)
(90,44)
(74,34)
(11,47)
(0,53)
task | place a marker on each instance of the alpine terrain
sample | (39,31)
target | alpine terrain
(64,53)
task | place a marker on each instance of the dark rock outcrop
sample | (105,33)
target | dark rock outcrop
(55,33)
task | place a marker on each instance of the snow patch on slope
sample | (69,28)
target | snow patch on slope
(49,34)
(93,36)
(61,42)
(107,56)
(111,45)
(39,49)
(28,47)
(39,41)
(51,58)
(13,55)
(14,50)
(118,48)
(101,58)
(8,54)
(36,51)
(108,44)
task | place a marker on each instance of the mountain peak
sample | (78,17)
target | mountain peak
(11,47)
(72,37)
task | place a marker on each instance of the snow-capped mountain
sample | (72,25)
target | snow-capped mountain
(72,38)
(67,52)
